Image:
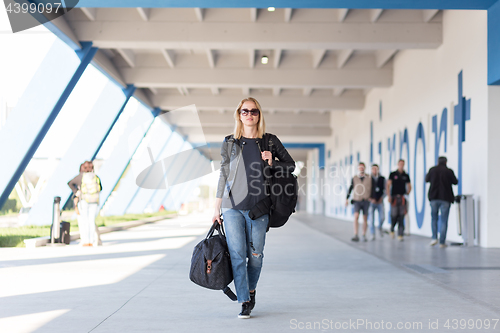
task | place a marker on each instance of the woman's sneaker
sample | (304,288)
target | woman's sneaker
(252,299)
(246,308)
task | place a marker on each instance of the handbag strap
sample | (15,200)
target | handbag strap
(266,169)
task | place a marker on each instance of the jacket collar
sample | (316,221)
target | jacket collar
(239,141)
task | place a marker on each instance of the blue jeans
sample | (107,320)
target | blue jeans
(381,215)
(245,239)
(445,211)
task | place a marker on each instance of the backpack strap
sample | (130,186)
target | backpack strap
(266,169)
(270,144)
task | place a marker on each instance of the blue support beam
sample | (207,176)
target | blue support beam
(128,91)
(86,54)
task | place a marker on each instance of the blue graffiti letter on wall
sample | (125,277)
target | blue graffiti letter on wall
(443,128)
(403,140)
(419,211)
(462,114)
(371,142)
(391,150)
(380,153)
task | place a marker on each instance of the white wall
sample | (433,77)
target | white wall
(426,82)
(493,199)
(313,188)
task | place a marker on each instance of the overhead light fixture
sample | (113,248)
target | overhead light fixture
(271,9)
(264,60)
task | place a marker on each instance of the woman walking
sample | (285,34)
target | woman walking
(241,186)
(86,188)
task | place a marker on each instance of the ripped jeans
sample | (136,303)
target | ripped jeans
(245,239)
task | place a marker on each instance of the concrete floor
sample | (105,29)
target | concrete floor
(138,282)
(470,271)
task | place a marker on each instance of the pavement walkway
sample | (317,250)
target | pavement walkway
(138,282)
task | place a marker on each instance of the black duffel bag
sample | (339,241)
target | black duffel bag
(211,263)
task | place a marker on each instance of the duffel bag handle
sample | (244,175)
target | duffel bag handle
(218,227)
(212,229)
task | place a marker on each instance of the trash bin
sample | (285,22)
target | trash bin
(466,222)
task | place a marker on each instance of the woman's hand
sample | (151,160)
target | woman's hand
(216,217)
(266,155)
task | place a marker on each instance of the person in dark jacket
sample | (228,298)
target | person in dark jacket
(398,186)
(441,197)
(241,186)
(377,200)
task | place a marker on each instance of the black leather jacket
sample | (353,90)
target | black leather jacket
(231,154)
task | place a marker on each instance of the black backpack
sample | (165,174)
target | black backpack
(282,190)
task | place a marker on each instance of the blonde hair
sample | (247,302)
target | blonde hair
(238,126)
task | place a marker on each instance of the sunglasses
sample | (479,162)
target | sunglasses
(254,112)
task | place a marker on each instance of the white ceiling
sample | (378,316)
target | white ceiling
(320,60)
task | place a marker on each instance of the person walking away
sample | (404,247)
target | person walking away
(398,186)
(441,179)
(361,184)
(75,184)
(377,201)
